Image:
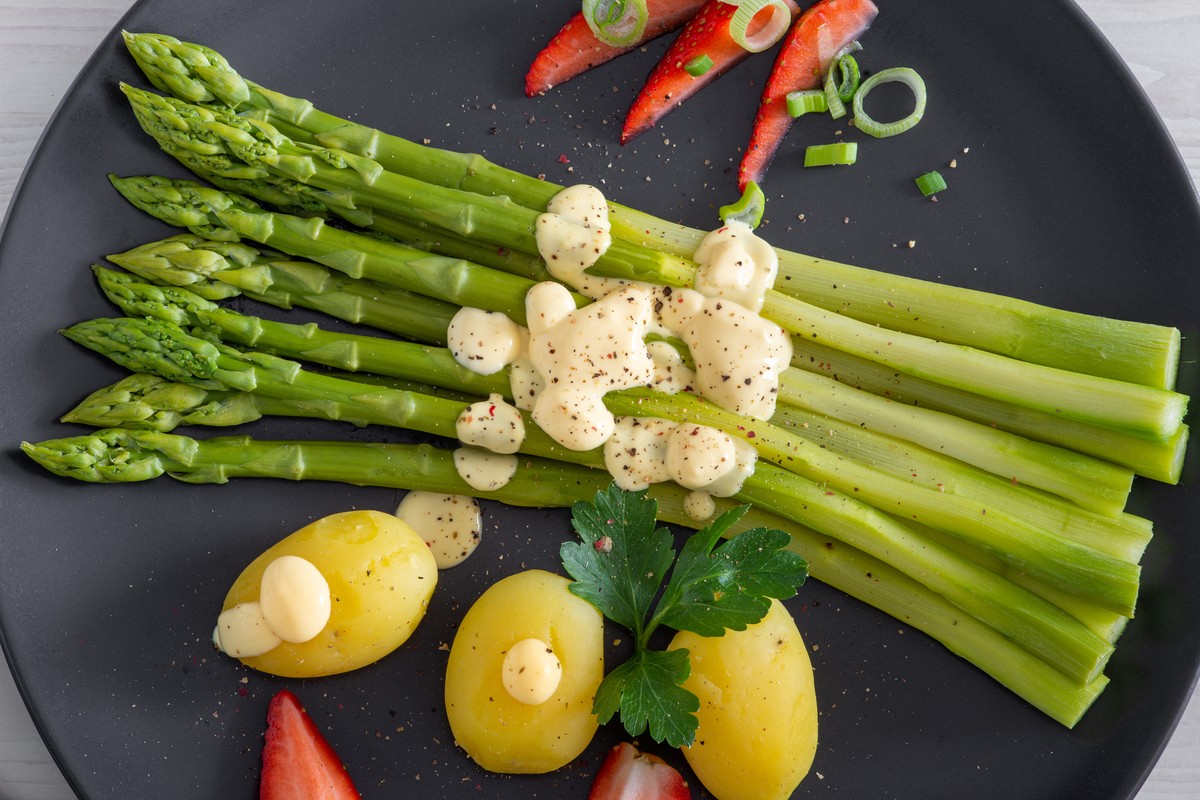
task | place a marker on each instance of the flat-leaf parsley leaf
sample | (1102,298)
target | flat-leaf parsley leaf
(619,566)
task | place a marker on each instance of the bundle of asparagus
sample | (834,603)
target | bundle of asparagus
(964,468)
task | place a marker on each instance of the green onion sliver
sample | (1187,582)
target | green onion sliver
(828,155)
(770,31)
(806,101)
(882,130)
(619,23)
(749,209)
(698,65)
(833,100)
(848,85)
(931,183)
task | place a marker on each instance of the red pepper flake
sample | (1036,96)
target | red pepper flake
(562,159)
(492,410)
(604,544)
(750,435)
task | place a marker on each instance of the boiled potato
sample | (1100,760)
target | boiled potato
(499,732)
(758,710)
(381,575)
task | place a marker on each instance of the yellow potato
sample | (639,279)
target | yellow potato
(758,709)
(501,733)
(381,575)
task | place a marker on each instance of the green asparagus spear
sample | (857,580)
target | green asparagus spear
(225,216)
(121,456)
(219,270)
(307,342)
(1126,351)
(1158,459)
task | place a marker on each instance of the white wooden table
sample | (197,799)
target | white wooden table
(43,45)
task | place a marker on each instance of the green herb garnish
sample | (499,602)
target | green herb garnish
(619,567)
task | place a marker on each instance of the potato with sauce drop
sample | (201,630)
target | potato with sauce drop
(499,731)
(758,709)
(380,577)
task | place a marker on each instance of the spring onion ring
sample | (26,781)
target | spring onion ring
(931,183)
(851,77)
(749,209)
(881,130)
(778,21)
(833,100)
(806,101)
(828,155)
(619,23)
(698,65)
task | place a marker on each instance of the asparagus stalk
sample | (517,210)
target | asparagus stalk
(226,216)
(1126,351)
(220,270)
(1094,484)
(307,342)
(1160,460)
(256,146)
(162,348)
(1124,536)
(112,456)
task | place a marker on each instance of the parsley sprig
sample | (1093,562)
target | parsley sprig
(619,567)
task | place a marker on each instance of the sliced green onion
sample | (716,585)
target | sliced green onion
(806,101)
(833,100)
(619,23)
(848,85)
(882,130)
(749,209)
(931,183)
(770,31)
(828,155)
(698,65)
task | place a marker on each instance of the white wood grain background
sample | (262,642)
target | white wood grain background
(43,43)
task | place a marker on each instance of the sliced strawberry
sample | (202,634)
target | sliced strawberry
(298,764)
(809,46)
(669,84)
(575,49)
(627,774)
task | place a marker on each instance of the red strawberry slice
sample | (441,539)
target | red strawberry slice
(669,84)
(575,49)
(627,774)
(807,49)
(298,764)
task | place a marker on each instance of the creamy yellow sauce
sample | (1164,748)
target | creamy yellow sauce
(699,505)
(450,524)
(243,632)
(572,235)
(636,454)
(531,672)
(294,606)
(734,263)
(582,354)
(484,342)
(484,471)
(645,450)
(491,424)
(568,359)
(739,356)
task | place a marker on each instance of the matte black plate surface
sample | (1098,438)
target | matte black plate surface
(1066,191)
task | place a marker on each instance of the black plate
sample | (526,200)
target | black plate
(1066,191)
